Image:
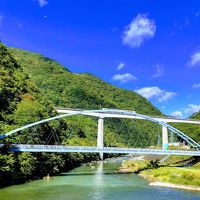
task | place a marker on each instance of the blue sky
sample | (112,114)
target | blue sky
(151,47)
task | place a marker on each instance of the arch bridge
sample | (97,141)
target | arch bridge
(110,113)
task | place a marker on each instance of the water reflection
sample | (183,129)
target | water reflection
(99,174)
(98,193)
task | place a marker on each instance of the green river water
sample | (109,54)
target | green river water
(97,182)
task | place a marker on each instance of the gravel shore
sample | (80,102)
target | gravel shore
(171,185)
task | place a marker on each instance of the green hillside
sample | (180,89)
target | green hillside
(193,130)
(66,89)
(196,115)
(21,102)
(78,90)
(31,86)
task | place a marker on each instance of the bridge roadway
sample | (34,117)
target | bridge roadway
(93,149)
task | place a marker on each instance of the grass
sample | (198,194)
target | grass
(136,166)
(178,161)
(182,176)
(173,170)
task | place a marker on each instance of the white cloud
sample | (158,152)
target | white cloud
(1,19)
(124,78)
(42,3)
(120,66)
(140,29)
(156,93)
(166,96)
(159,71)
(196,85)
(194,59)
(149,92)
(192,108)
(177,114)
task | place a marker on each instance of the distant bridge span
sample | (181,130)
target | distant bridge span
(110,113)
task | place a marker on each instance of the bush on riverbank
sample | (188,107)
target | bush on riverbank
(179,161)
(135,166)
(180,170)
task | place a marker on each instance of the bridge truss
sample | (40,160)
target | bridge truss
(101,115)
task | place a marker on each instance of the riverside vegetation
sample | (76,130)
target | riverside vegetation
(31,86)
(176,171)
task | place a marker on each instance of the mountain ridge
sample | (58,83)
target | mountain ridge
(85,80)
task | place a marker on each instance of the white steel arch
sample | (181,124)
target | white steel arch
(104,113)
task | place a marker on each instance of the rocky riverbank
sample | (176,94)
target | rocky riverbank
(175,172)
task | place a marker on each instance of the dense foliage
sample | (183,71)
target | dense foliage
(21,103)
(31,86)
(192,130)
(66,89)
(73,90)
(196,115)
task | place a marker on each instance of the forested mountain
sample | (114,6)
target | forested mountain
(72,90)
(31,86)
(193,130)
(66,89)
(196,115)
(21,103)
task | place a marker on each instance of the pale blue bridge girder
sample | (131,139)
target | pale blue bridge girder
(93,149)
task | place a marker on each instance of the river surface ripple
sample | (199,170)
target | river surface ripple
(99,181)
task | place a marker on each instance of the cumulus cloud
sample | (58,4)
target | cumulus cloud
(166,96)
(140,29)
(192,108)
(177,114)
(42,3)
(194,59)
(159,71)
(120,66)
(156,93)
(196,85)
(149,92)
(124,78)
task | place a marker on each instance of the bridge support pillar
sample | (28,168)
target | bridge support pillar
(164,138)
(100,135)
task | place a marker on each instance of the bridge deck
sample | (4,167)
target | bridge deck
(93,149)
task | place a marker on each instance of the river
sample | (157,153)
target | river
(98,181)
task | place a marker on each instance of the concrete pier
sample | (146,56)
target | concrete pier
(100,135)
(164,138)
